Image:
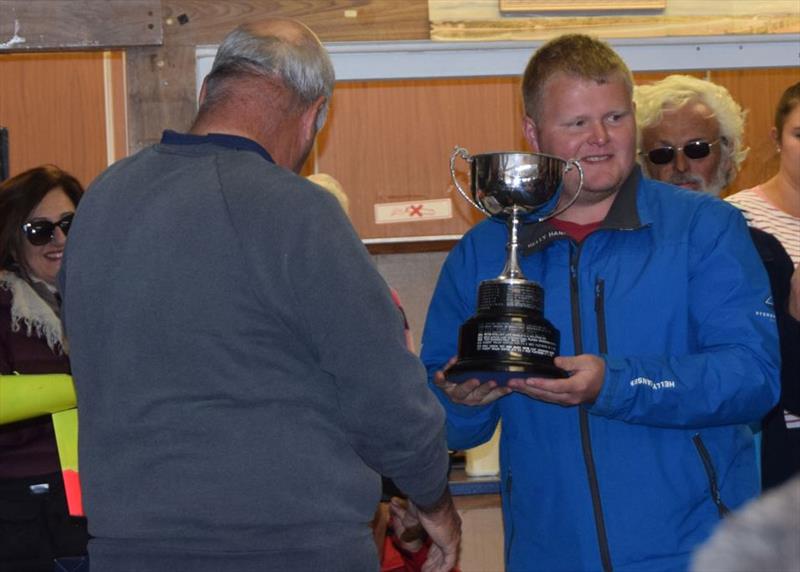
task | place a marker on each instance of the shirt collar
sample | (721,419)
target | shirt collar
(237,142)
(623,214)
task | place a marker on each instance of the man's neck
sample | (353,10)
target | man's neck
(222,129)
(583,212)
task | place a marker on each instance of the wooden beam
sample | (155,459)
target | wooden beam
(512,6)
(161,93)
(28,25)
(199,22)
(612,27)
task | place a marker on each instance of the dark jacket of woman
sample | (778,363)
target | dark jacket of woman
(34,525)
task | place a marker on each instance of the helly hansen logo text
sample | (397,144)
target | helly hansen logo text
(666,384)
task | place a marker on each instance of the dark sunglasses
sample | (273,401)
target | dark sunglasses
(693,150)
(40,232)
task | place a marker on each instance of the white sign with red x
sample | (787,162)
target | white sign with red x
(413,211)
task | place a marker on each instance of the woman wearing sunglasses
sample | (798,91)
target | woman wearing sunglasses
(36,209)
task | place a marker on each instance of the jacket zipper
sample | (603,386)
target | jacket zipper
(510,539)
(600,312)
(583,415)
(716,497)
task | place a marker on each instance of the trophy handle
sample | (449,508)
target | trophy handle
(464,154)
(567,169)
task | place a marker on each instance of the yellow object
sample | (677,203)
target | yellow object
(27,396)
(484,460)
(65,424)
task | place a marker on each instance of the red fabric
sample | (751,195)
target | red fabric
(406,327)
(399,304)
(576,231)
(395,559)
(72,488)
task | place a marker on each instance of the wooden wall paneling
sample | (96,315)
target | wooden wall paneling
(643,78)
(757,91)
(78,24)
(54,108)
(391,142)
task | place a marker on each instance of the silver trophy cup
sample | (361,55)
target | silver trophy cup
(509,335)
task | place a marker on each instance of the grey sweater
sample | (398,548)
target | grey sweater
(241,370)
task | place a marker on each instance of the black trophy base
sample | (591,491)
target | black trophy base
(508,337)
(501,371)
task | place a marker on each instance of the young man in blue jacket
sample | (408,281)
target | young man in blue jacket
(666,332)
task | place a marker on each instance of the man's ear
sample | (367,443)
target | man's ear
(202,96)
(309,118)
(531,133)
(729,167)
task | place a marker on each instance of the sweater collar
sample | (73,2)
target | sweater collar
(626,213)
(237,142)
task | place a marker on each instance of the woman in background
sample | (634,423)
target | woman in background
(774,207)
(36,210)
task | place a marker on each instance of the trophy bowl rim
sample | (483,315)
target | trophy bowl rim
(532,153)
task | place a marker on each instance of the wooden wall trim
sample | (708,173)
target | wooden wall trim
(28,25)
(356,61)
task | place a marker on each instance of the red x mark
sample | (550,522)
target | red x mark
(415,210)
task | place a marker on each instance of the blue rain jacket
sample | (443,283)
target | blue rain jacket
(672,294)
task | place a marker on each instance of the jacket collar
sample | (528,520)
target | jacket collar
(626,213)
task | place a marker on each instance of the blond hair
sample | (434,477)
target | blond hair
(333,186)
(577,55)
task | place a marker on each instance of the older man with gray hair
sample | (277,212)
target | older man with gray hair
(237,412)
(690,133)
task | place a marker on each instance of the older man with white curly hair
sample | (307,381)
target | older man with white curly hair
(690,133)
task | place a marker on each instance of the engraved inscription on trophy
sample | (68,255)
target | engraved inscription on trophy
(515,337)
(509,335)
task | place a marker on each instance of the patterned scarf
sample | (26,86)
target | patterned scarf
(36,305)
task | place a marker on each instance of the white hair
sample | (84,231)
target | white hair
(303,66)
(675,91)
(764,535)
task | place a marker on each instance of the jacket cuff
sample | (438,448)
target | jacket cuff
(604,404)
